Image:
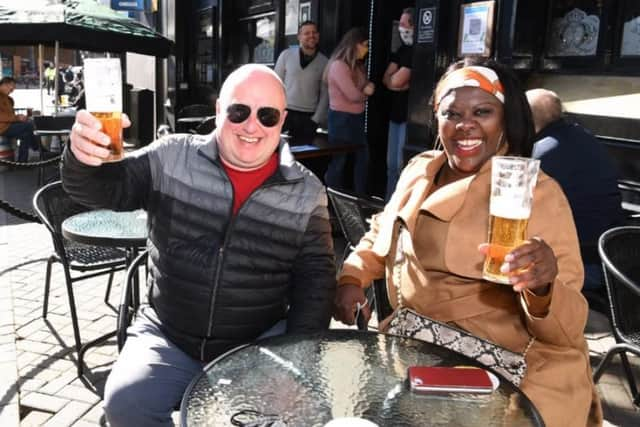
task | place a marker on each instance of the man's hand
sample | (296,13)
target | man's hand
(88,144)
(347,298)
(532,265)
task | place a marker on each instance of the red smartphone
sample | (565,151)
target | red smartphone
(441,379)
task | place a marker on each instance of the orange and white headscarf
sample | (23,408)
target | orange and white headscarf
(473,76)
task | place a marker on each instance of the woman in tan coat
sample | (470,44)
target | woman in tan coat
(442,201)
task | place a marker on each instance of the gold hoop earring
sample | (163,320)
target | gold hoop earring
(500,142)
(438,143)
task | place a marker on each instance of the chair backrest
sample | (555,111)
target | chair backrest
(53,205)
(196,110)
(207,126)
(352,212)
(619,250)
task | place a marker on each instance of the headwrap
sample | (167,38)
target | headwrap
(473,76)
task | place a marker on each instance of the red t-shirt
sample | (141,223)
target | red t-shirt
(244,182)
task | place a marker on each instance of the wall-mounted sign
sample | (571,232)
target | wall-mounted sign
(426,25)
(476,28)
(305,12)
(128,4)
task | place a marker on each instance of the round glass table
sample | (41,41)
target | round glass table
(309,380)
(105,227)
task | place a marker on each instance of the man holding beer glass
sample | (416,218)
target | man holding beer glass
(442,201)
(239,241)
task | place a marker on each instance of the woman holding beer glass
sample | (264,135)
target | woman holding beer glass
(441,203)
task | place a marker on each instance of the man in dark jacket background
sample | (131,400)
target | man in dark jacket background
(239,241)
(571,155)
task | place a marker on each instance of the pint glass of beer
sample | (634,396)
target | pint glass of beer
(512,182)
(103,92)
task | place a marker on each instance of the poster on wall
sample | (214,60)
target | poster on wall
(291,17)
(305,12)
(476,28)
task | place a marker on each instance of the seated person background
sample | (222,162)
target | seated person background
(15,125)
(435,266)
(571,155)
(239,241)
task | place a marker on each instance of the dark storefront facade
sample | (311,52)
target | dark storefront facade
(588,51)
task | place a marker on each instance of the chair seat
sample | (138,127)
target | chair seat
(82,257)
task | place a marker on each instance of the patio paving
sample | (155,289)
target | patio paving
(38,382)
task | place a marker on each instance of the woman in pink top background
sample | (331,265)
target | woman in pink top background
(348,91)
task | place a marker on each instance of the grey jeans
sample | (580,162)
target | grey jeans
(150,376)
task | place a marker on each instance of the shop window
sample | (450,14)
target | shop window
(256,38)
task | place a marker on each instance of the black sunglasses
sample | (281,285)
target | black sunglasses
(268,116)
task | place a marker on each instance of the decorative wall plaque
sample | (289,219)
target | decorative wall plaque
(575,34)
(631,38)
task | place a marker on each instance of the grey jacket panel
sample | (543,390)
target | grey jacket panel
(219,280)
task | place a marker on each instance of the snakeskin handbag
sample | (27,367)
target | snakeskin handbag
(409,323)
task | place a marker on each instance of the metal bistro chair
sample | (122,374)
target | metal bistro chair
(130,297)
(352,212)
(53,205)
(620,253)
(194,110)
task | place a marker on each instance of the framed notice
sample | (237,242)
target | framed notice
(305,12)
(476,28)
(291,17)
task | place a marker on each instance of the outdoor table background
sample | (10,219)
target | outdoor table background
(309,380)
(107,228)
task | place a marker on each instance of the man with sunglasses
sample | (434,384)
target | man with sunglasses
(300,68)
(239,241)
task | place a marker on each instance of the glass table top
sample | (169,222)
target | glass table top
(309,380)
(107,227)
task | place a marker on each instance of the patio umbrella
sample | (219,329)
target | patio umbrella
(76,24)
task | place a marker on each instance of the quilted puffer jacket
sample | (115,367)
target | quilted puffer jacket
(218,280)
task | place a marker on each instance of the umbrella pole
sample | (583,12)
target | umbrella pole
(55,59)
(40,71)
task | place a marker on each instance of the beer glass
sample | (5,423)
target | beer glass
(103,95)
(512,182)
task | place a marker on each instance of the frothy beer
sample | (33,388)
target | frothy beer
(103,94)
(512,183)
(507,230)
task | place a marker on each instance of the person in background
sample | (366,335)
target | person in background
(300,68)
(14,125)
(348,92)
(396,79)
(50,77)
(239,241)
(571,155)
(428,242)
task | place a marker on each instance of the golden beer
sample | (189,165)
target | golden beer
(112,126)
(504,235)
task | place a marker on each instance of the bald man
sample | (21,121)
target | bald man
(239,241)
(581,165)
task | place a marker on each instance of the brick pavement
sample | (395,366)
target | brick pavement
(38,382)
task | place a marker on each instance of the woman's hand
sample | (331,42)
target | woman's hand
(88,144)
(538,263)
(347,298)
(369,89)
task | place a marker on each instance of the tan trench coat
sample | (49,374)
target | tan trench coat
(446,283)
